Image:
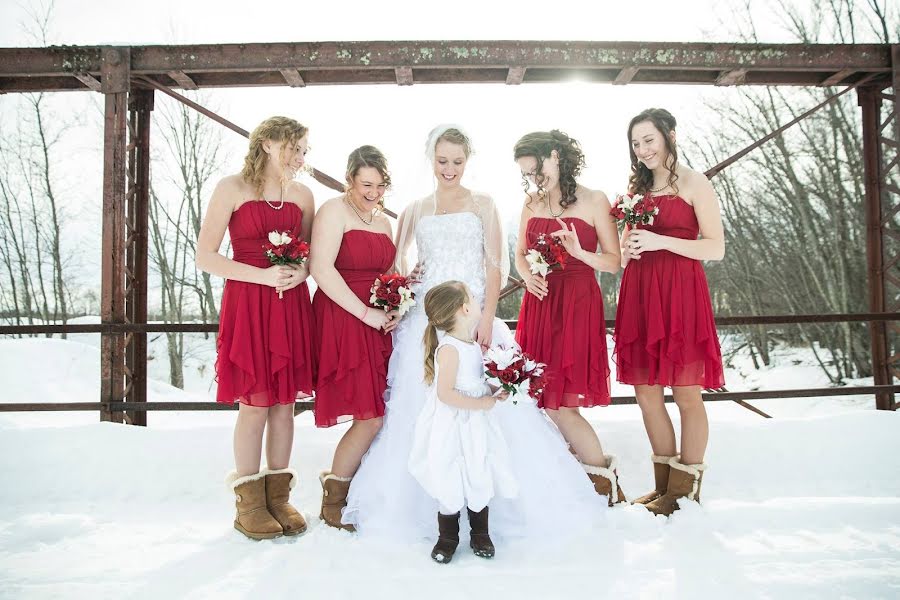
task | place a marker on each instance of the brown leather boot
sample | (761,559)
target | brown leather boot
(660,475)
(479,538)
(448,538)
(684,482)
(606,480)
(279,484)
(253,519)
(334,499)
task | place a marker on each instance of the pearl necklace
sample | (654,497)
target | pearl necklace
(657,190)
(280,204)
(358,214)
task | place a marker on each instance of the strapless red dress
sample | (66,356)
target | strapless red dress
(264,347)
(665,328)
(352,357)
(566,330)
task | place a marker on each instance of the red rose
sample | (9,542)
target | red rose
(508,375)
(394,298)
(381,292)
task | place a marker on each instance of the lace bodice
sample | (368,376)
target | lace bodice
(451,247)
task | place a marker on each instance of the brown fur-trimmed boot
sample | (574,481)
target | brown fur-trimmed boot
(279,483)
(334,499)
(606,480)
(479,538)
(684,482)
(661,470)
(448,538)
(253,519)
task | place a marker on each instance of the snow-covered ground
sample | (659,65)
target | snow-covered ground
(805,505)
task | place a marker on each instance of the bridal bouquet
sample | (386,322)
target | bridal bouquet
(284,249)
(634,209)
(392,292)
(514,371)
(545,254)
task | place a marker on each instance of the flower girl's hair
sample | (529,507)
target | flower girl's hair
(441,303)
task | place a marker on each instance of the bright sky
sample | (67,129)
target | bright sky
(393,118)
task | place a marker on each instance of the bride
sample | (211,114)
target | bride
(456,234)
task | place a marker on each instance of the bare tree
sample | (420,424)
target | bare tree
(793,209)
(191,159)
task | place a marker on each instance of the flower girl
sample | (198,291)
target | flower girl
(459,455)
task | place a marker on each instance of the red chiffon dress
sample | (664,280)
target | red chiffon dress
(566,330)
(665,329)
(264,347)
(352,357)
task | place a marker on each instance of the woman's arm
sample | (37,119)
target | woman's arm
(608,260)
(534,284)
(221,205)
(711,246)
(448,362)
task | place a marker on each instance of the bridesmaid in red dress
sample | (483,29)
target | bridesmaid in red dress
(561,321)
(665,330)
(264,344)
(352,244)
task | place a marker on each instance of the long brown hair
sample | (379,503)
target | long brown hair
(368,156)
(540,145)
(441,303)
(641,179)
(274,129)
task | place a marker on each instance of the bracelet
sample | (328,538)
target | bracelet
(365,312)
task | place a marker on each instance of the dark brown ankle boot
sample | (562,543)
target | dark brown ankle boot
(448,538)
(480,540)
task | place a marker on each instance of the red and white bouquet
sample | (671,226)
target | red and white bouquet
(635,209)
(393,292)
(285,249)
(545,254)
(514,371)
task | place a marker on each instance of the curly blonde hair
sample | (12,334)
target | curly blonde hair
(274,129)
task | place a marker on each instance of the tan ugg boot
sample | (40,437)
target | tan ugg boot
(334,499)
(279,483)
(606,480)
(684,482)
(661,470)
(253,519)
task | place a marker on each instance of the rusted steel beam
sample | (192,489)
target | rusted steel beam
(293,77)
(21,69)
(732,77)
(201,109)
(625,75)
(89,80)
(515,75)
(886,317)
(140,107)
(306,404)
(870,102)
(404,75)
(183,80)
(838,77)
(710,173)
(115,78)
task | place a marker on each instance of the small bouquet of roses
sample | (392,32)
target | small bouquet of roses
(634,209)
(284,249)
(545,254)
(392,292)
(514,371)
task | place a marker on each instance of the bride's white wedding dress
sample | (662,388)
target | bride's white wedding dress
(556,498)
